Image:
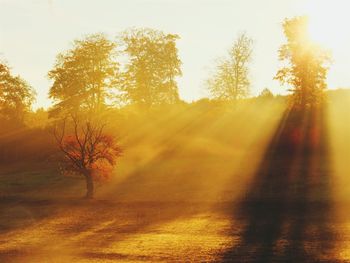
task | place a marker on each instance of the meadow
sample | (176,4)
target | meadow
(201,182)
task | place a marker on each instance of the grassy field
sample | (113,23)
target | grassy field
(206,183)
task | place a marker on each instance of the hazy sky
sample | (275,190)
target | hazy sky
(33,32)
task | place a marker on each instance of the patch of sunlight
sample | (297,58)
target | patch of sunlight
(339,129)
(201,237)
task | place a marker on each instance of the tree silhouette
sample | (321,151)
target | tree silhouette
(266,94)
(306,70)
(153,65)
(16,95)
(231,80)
(87,151)
(84,75)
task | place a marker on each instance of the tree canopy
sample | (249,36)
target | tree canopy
(153,64)
(16,95)
(83,76)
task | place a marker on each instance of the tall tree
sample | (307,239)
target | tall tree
(306,69)
(84,75)
(16,95)
(231,78)
(153,64)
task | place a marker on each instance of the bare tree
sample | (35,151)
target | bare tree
(87,151)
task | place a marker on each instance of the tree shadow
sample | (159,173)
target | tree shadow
(287,209)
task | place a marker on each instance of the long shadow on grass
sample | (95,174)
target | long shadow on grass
(101,224)
(287,208)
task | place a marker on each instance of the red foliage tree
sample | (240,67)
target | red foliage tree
(88,152)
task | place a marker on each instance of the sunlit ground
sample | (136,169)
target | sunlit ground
(195,185)
(136,232)
(339,126)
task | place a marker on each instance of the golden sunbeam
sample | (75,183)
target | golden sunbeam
(146,150)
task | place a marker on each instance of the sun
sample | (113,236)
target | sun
(328,22)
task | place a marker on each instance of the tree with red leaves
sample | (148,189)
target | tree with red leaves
(87,151)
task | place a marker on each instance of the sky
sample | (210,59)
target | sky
(33,32)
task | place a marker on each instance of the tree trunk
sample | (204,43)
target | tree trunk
(89,186)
